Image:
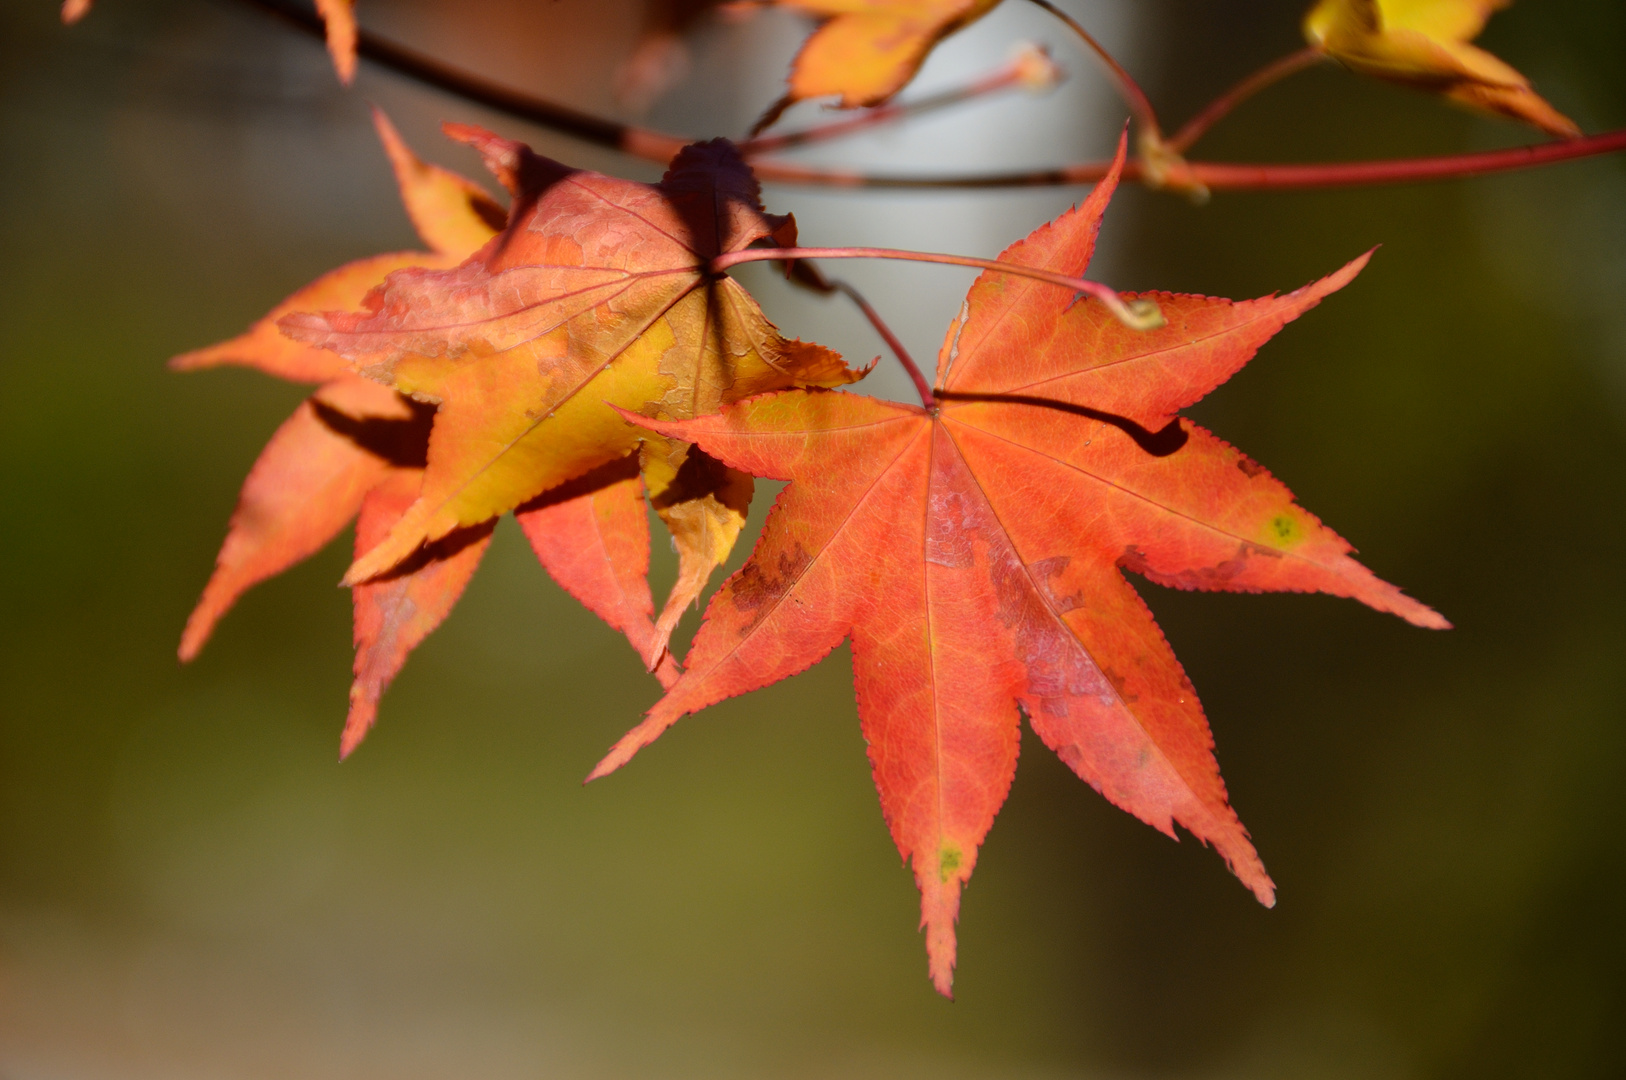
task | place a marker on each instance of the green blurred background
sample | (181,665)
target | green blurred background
(190,886)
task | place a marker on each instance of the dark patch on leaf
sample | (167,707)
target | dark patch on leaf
(756,589)
(402,443)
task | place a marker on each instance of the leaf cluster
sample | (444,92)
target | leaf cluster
(581,358)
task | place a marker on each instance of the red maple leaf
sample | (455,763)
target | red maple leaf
(973,553)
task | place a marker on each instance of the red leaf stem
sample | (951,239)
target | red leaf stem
(928,400)
(1138,314)
(1237,176)
(1015,73)
(1214,111)
(1125,84)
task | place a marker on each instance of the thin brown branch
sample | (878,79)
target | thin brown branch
(639,142)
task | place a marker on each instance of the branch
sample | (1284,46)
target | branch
(1235,176)
(639,142)
(1034,70)
(1240,177)
(1225,176)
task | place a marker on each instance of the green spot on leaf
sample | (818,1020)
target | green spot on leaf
(948,861)
(1285,530)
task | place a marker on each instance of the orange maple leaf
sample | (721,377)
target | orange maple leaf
(339,16)
(973,554)
(356,447)
(598,291)
(865,51)
(1424,44)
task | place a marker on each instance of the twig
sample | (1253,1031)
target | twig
(923,387)
(1127,87)
(1268,75)
(1015,73)
(639,142)
(1241,177)
(1236,176)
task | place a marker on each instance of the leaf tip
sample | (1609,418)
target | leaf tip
(388,134)
(370,565)
(363,713)
(200,625)
(189,361)
(940,961)
(655,656)
(1427,618)
(356,726)
(339,18)
(649,423)
(659,718)
(609,764)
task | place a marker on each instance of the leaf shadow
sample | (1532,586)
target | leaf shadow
(402,443)
(1160,443)
(613,472)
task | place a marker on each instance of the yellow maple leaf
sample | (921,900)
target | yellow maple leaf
(1424,44)
(598,291)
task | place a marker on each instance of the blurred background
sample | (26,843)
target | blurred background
(191,886)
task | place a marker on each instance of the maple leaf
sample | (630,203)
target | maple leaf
(339,17)
(1424,44)
(451,213)
(598,291)
(973,555)
(865,51)
(356,447)
(309,481)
